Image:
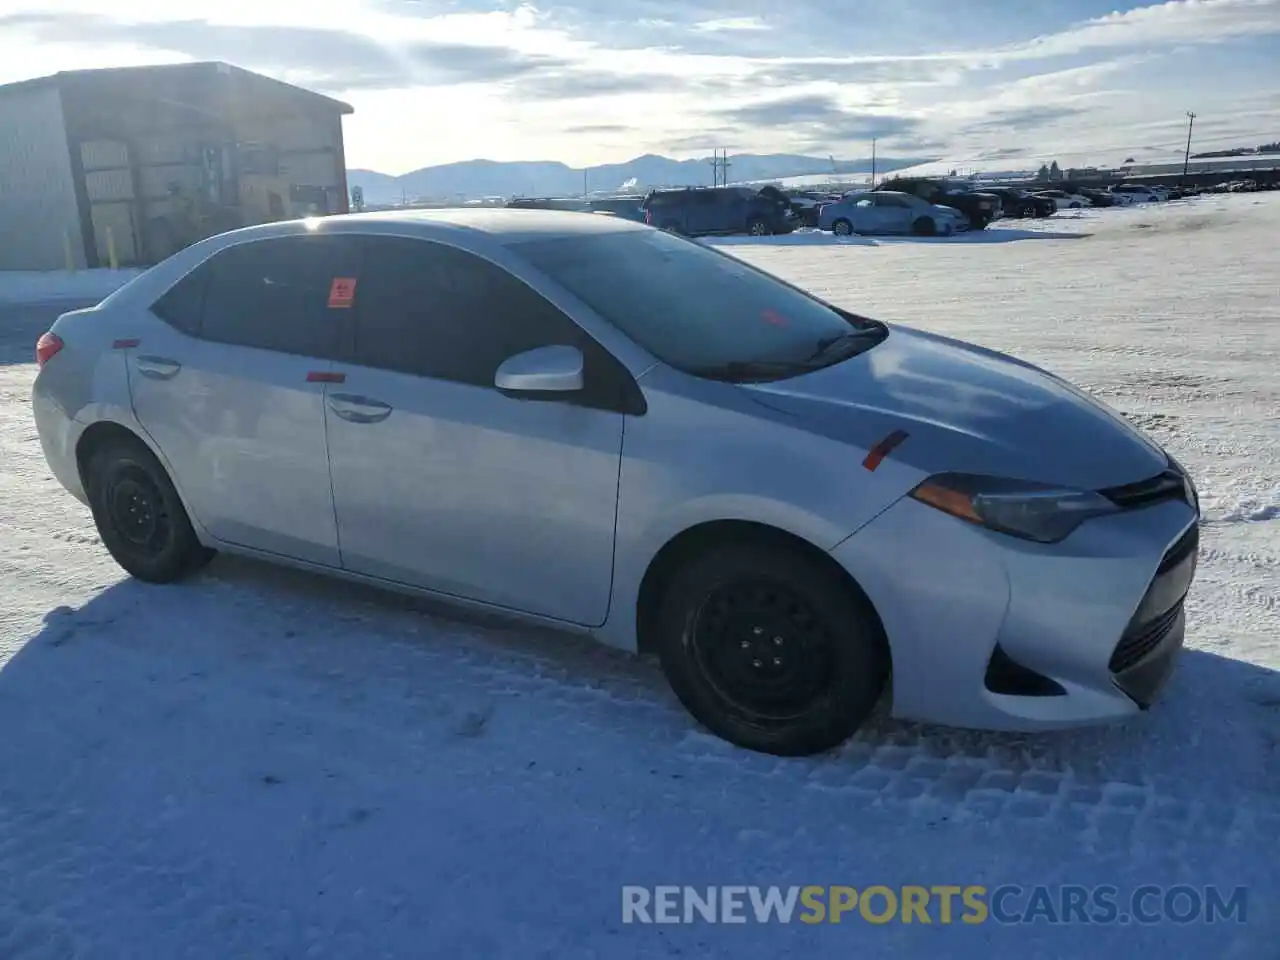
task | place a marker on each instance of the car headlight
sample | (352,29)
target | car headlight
(1032,511)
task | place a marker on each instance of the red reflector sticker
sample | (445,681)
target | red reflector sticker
(882,449)
(326,376)
(773,317)
(342,293)
(125,344)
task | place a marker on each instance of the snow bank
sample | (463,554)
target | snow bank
(21,286)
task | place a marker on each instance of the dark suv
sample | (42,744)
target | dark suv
(706,211)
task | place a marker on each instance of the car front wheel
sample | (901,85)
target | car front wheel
(842,228)
(770,649)
(139,515)
(757,227)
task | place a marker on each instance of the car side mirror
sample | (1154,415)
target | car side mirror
(555,369)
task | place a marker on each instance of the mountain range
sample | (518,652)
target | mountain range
(475,179)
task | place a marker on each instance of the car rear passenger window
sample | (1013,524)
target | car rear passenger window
(284,294)
(432,310)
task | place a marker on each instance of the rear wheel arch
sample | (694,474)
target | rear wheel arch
(698,539)
(97,436)
(105,432)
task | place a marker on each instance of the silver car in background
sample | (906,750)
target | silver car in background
(590,423)
(890,212)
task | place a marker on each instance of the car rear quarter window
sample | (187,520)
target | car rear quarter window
(433,310)
(279,294)
(182,305)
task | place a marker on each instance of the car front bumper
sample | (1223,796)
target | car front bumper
(992,632)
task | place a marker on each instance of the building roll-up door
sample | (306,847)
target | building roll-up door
(108,178)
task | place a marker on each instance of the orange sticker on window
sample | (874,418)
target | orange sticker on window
(773,317)
(342,293)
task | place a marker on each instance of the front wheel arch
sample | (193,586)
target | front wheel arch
(697,539)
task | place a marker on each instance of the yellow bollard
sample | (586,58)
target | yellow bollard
(111,250)
(66,250)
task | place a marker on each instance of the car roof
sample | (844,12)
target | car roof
(472,229)
(500,224)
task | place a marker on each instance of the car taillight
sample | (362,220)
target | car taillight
(47,348)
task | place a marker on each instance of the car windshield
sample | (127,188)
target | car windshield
(698,310)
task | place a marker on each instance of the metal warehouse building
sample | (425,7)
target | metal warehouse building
(140,162)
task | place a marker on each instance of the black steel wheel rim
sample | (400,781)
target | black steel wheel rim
(758,229)
(136,508)
(763,649)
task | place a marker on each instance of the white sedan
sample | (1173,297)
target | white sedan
(1066,201)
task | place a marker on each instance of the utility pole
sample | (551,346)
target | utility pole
(715,167)
(1186,161)
(584,183)
(873,163)
(724,167)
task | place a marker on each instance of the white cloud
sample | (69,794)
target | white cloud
(525,82)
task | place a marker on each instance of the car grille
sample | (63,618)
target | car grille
(1133,647)
(1187,544)
(1140,639)
(1158,489)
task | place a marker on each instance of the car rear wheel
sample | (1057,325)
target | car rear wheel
(139,515)
(842,228)
(770,650)
(758,227)
(924,227)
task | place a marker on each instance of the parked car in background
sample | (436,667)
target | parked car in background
(713,211)
(587,424)
(629,208)
(1064,200)
(979,206)
(571,204)
(806,206)
(1099,198)
(890,212)
(1137,193)
(1021,203)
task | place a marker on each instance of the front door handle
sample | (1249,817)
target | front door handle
(158,368)
(358,409)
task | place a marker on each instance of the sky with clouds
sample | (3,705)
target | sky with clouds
(595,81)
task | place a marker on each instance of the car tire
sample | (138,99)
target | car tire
(924,227)
(140,516)
(1075,206)
(842,228)
(728,621)
(758,227)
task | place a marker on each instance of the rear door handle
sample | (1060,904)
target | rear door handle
(158,368)
(358,409)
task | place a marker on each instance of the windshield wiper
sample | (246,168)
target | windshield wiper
(836,346)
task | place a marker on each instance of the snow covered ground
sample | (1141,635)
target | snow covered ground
(266,764)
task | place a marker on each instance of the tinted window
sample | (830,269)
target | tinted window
(432,310)
(688,305)
(276,295)
(181,306)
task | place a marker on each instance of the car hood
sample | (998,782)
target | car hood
(968,409)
